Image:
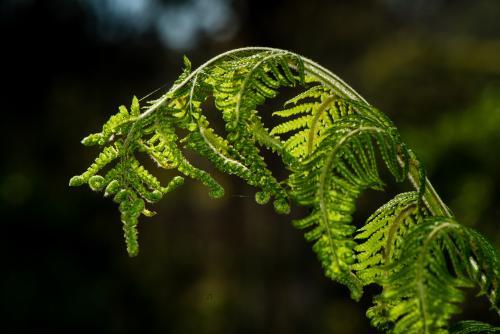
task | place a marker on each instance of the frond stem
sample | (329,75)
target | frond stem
(431,198)
(312,131)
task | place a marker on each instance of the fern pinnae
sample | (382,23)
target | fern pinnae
(295,110)
(431,280)
(394,226)
(339,269)
(291,125)
(327,167)
(217,151)
(295,144)
(382,234)
(421,259)
(266,139)
(313,93)
(268,93)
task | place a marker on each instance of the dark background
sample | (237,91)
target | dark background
(229,265)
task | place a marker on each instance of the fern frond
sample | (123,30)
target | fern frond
(384,234)
(439,258)
(333,143)
(331,180)
(318,105)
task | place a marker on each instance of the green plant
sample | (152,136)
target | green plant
(329,141)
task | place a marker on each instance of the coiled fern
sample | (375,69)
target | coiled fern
(333,143)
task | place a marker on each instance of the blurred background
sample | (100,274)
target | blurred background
(229,265)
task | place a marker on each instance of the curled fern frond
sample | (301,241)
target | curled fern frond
(333,143)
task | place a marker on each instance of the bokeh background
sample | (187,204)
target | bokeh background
(229,265)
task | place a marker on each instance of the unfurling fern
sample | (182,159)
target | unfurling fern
(333,143)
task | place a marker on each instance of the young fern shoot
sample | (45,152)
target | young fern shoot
(328,140)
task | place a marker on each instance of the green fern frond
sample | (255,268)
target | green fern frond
(333,143)
(439,259)
(321,107)
(331,180)
(384,234)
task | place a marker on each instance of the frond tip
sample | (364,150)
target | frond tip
(333,144)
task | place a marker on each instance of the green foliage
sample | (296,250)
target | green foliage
(384,234)
(474,327)
(334,144)
(423,289)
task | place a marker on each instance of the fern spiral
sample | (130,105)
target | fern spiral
(333,143)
